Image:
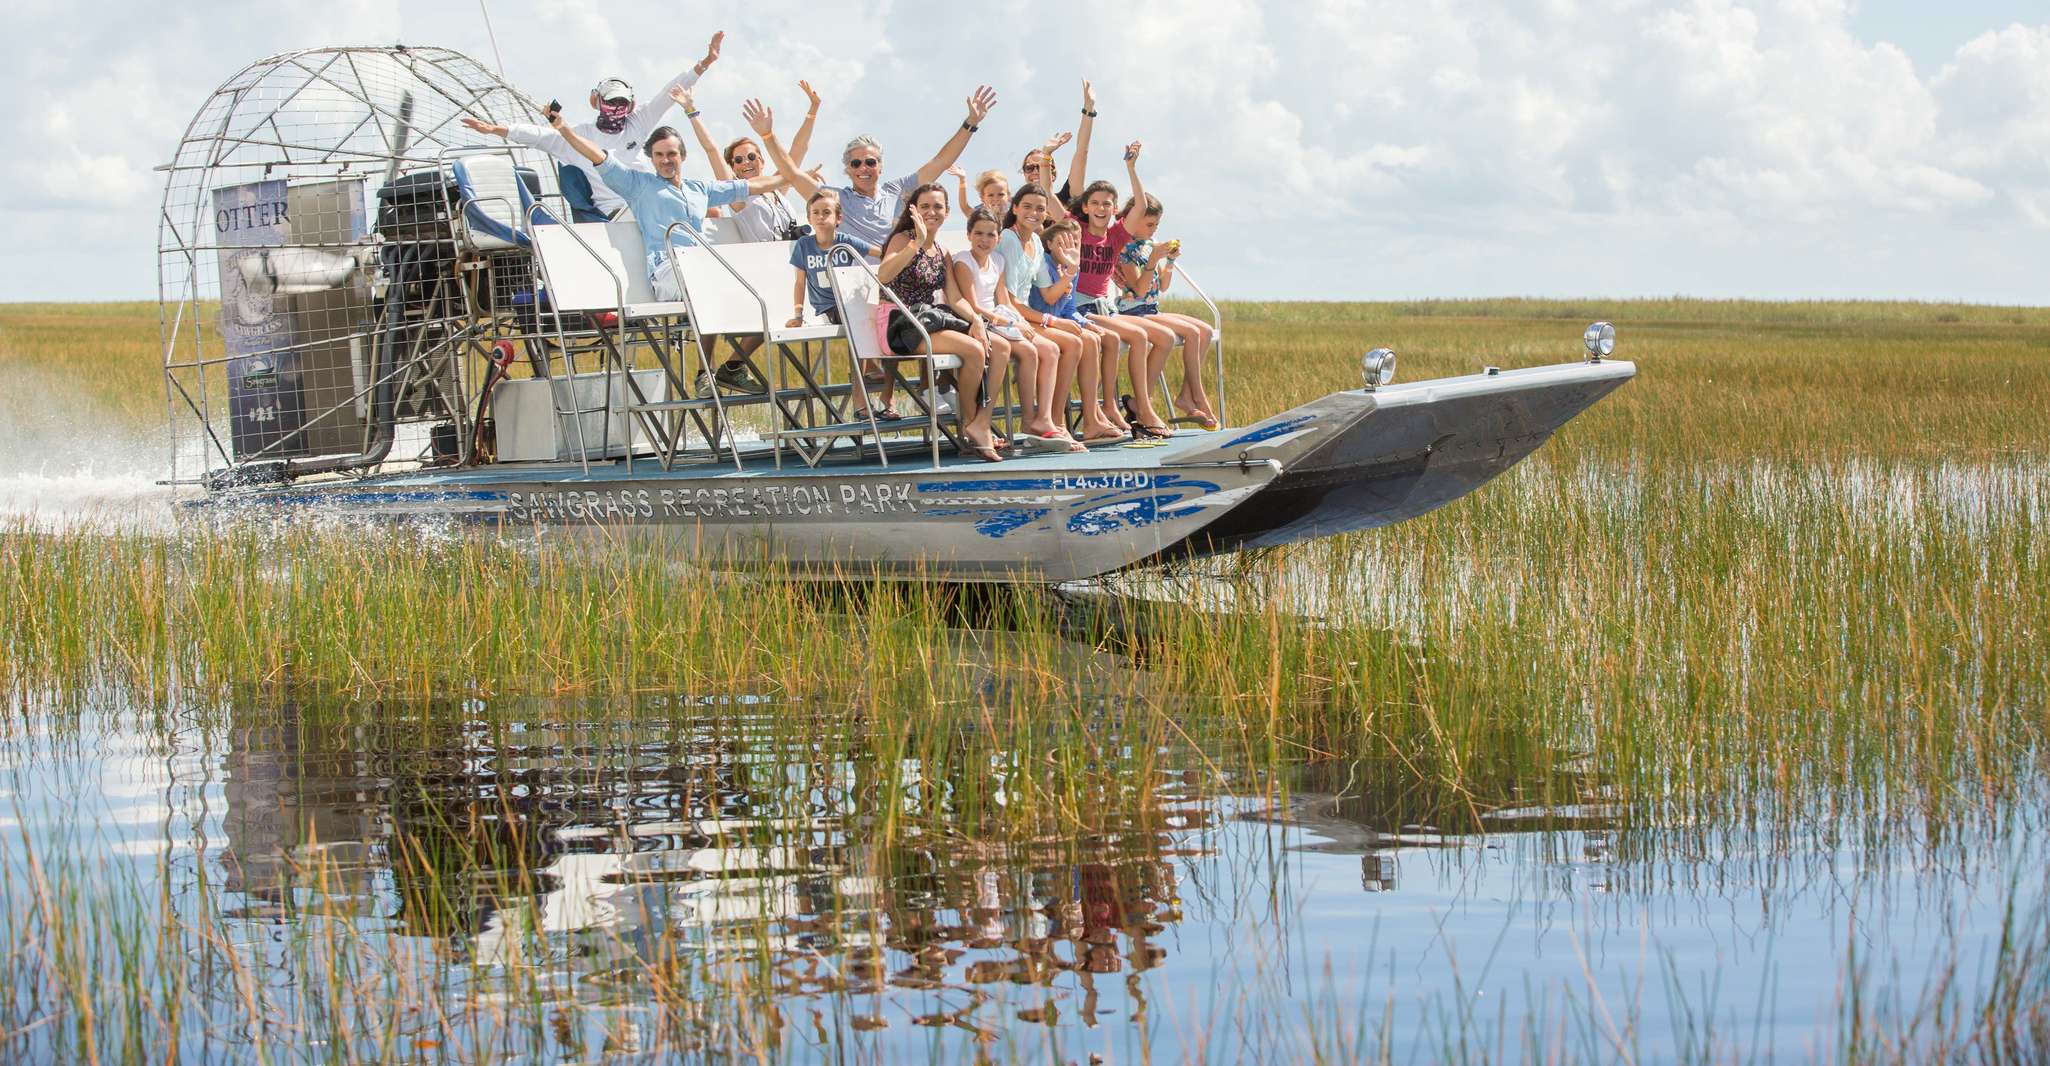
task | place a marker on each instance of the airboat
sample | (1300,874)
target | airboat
(370,311)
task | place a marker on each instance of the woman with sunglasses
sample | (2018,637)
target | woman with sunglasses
(1039,166)
(764,216)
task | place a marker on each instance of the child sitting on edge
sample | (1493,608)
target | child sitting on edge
(1144,271)
(812,255)
(979,274)
(1053,296)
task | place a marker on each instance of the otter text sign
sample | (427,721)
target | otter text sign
(265,403)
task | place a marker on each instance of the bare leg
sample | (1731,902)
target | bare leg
(999,362)
(1107,345)
(1027,355)
(1046,362)
(1163,337)
(1066,358)
(967,382)
(1142,362)
(1195,334)
(1090,373)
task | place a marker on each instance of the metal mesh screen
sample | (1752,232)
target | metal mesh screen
(326,302)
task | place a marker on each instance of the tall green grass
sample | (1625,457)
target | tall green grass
(1788,583)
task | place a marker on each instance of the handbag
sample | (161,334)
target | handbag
(902,337)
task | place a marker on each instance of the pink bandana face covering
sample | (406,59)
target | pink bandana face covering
(612,117)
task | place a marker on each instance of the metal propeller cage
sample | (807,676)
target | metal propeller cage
(324,306)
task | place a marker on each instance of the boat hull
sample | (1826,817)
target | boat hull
(1360,460)
(1345,462)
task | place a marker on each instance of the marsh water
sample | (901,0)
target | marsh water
(610,880)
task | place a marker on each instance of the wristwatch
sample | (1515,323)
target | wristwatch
(1086,113)
(970,128)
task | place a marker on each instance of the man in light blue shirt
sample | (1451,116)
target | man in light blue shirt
(869,205)
(664,197)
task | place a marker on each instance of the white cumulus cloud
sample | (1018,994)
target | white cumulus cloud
(1330,148)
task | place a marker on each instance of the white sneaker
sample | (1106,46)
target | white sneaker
(945,404)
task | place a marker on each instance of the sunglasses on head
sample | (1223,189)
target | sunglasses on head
(864,163)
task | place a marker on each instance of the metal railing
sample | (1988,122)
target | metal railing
(1216,335)
(854,356)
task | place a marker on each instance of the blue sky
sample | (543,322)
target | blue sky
(1349,149)
(1930,31)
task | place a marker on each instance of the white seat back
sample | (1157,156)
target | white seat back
(858,295)
(494,201)
(583,281)
(722,231)
(720,303)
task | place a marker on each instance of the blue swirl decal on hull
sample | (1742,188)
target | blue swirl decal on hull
(1139,510)
(1278,429)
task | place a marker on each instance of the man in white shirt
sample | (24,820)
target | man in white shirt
(621,129)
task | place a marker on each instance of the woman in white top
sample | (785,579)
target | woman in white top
(979,272)
(764,216)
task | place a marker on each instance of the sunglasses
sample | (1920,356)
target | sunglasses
(864,163)
(1034,168)
(751,157)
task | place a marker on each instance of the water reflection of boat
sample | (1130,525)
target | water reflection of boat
(1377,810)
(615,844)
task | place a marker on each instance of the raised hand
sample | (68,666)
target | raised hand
(682,96)
(810,93)
(555,118)
(491,128)
(817,175)
(1132,152)
(980,103)
(1067,251)
(957,172)
(759,118)
(921,231)
(1054,143)
(712,52)
(1088,96)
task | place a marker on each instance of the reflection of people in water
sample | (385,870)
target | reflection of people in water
(636,848)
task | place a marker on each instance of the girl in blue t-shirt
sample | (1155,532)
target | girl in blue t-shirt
(1053,298)
(1079,341)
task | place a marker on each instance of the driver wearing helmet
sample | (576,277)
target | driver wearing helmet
(621,128)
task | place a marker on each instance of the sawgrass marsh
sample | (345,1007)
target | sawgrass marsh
(1713,732)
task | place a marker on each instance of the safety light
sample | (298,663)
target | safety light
(1378,367)
(1600,339)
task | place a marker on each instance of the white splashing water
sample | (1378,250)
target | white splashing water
(65,463)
